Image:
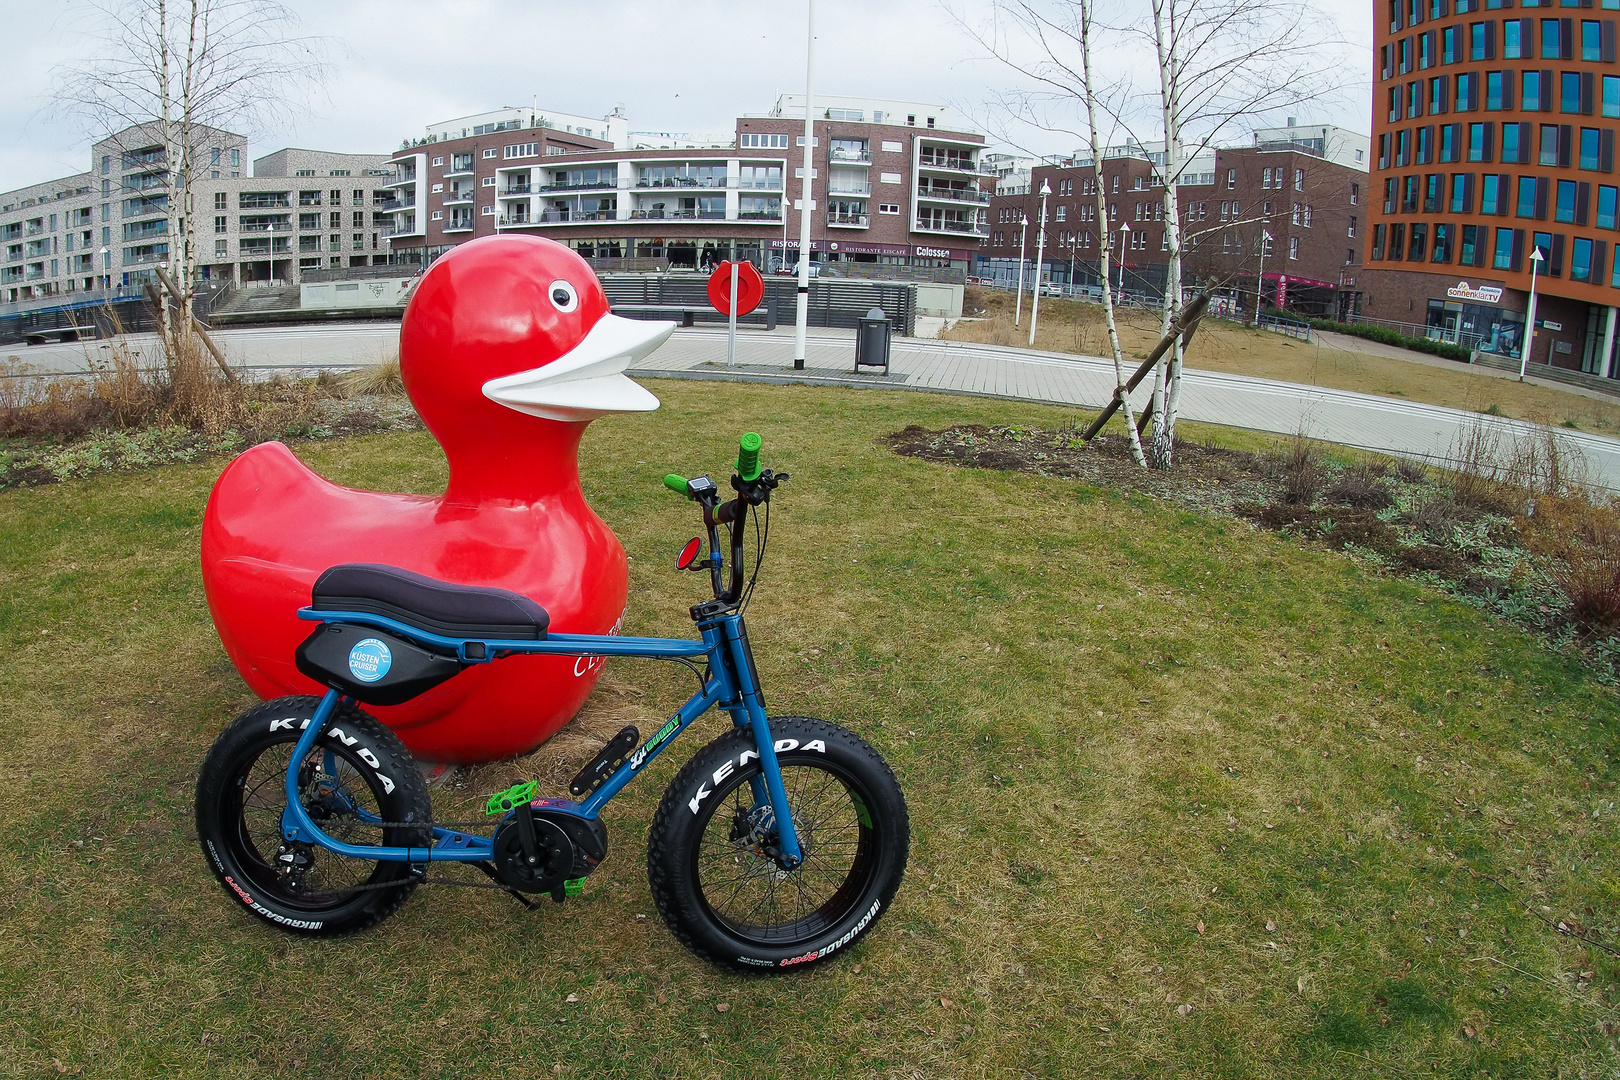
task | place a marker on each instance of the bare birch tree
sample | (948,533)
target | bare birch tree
(1219,67)
(175,69)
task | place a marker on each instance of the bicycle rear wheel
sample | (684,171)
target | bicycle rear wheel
(709,852)
(357,775)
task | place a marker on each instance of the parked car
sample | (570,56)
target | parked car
(815,270)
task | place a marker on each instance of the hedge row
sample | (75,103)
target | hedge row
(1388,337)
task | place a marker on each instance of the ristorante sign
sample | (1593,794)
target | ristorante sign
(1489,294)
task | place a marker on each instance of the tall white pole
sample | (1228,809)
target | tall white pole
(1530,313)
(731,328)
(804,191)
(1040,252)
(1018,308)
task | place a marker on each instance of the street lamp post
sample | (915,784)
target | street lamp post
(1124,241)
(1260,278)
(1018,308)
(1040,251)
(1530,313)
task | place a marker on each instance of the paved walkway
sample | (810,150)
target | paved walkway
(1361,420)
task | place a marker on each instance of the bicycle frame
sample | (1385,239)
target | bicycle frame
(732,685)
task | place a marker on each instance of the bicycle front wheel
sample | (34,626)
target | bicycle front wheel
(710,854)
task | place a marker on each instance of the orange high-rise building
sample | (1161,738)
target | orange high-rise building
(1493,137)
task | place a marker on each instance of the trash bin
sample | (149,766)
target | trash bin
(872,341)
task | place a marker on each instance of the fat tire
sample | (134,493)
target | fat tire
(675,842)
(247,874)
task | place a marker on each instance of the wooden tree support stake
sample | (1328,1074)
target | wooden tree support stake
(1185,322)
(202,332)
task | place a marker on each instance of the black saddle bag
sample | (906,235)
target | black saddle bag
(372,666)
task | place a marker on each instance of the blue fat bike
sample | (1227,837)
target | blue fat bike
(778,845)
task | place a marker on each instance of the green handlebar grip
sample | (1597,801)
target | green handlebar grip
(748,456)
(676,484)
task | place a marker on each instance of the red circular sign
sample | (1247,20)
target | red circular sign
(750,288)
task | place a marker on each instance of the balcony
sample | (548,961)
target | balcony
(306,200)
(762,185)
(850,189)
(681,182)
(948,164)
(848,221)
(402,230)
(947,225)
(516,189)
(558,217)
(453,197)
(849,157)
(459,225)
(759,215)
(971,194)
(505,221)
(34,230)
(272,226)
(404,179)
(611,183)
(389,206)
(678,215)
(455,168)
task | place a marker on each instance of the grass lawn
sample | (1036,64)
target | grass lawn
(1070,326)
(1187,799)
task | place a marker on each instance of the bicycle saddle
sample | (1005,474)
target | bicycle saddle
(439,607)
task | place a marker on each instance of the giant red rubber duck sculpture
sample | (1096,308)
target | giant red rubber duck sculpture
(508,351)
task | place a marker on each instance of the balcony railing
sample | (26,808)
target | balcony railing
(402,180)
(458,170)
(848,221)
(457,197)
(849,157)
(759,215)
(761,185)
(34,230)
(948,164)
(458,225)
(681,182)
(274,226)
(302,201)
(969,228)
(516,189)
(595,185)
(402,230)
(850,189)
(389,206)
(972,195)
(553,217)
(504,221)
(678,215)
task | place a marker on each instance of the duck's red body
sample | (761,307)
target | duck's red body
(513,515)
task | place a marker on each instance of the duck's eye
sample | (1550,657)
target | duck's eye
(563,296)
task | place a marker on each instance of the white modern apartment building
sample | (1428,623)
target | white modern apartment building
(103,231)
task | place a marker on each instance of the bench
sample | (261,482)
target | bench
(63,334)
(688,312)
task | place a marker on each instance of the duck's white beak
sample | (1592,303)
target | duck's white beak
(588,380)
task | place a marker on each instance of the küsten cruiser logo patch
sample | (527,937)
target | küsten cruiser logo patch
(370,660)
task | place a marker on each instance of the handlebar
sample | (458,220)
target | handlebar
(753,486)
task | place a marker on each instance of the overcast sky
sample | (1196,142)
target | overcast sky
(398,65)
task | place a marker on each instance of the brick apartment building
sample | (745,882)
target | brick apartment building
(1286,212)
(1495,131)
(102,231)
(890,183)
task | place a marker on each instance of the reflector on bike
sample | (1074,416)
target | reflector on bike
(688,554)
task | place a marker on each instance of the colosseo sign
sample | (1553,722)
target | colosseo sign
(1487,294)
(922,252)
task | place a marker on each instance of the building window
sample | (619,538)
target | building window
(219,200)
(1530,91)
(521,150)
(491,152)
(1293,247)
(888,208)
(1512,145)
(1591,147)
(488,181)
(1525,205)
(1549,145)
(1468,249)
(1580,260)
(1231,180)
(488,211)
(1491,194)
(1502,252)
(236,159)
(1441,252)
(1551,49)
(1569,92)
(1591,49)
(1513,40)
(438,215)
(1606,205)
(222,224)
(1564,205)
(1479,142)
(222,248)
